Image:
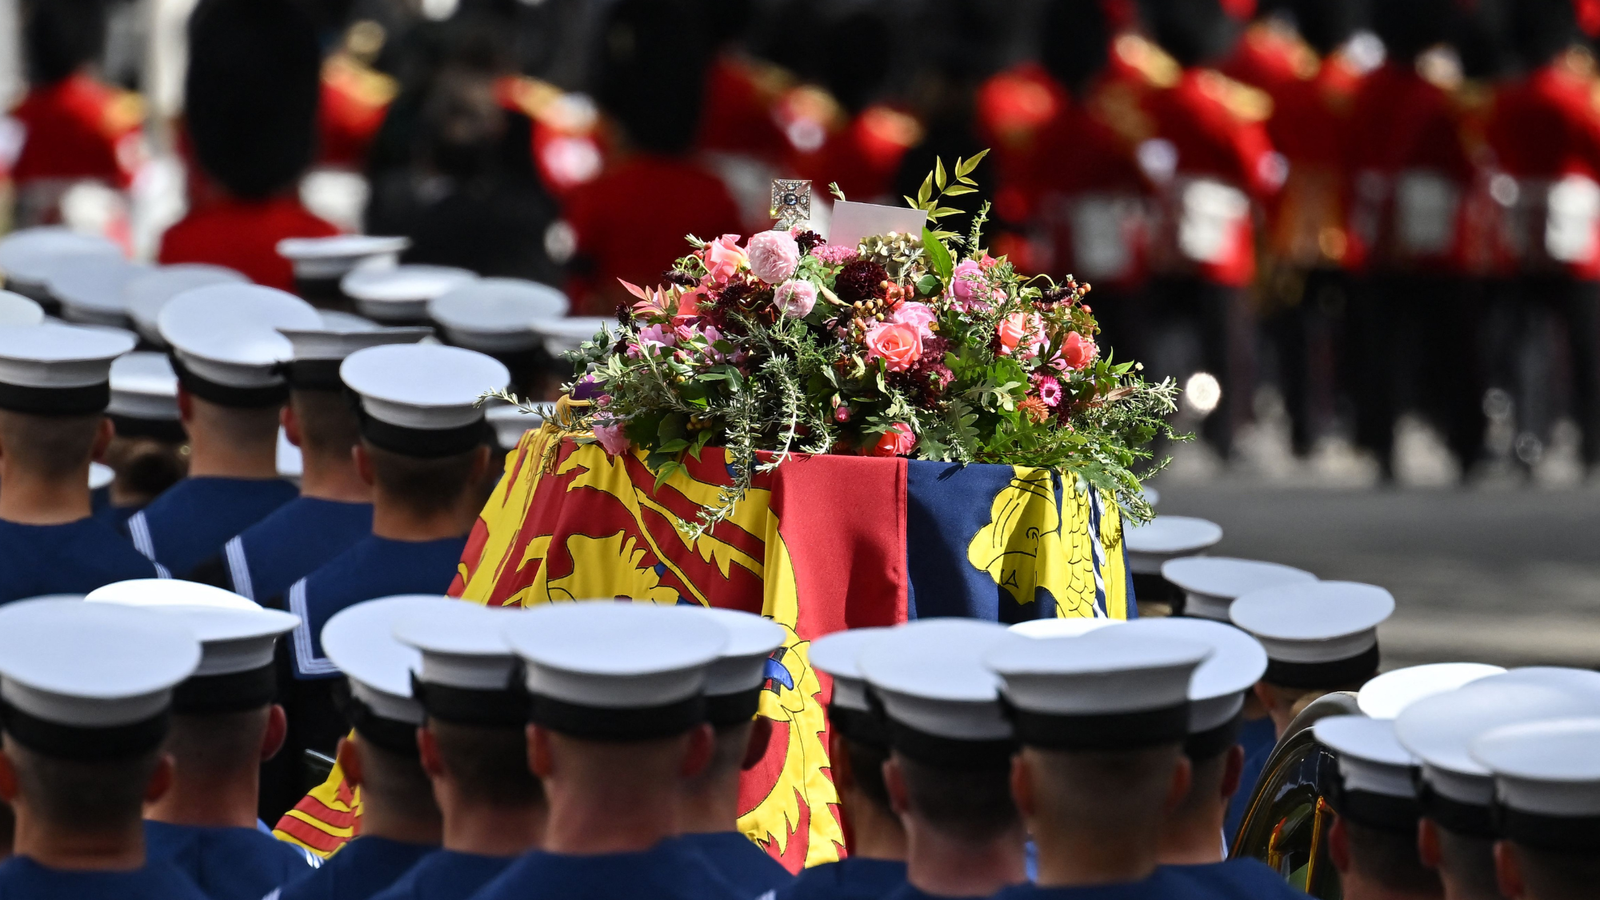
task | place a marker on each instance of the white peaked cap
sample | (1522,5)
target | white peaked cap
(496,315)
(1387,695)
(227,334)
(58,369)
(423,386)
(1439,731)
(1319,634)
(561,335)
(401,293)
(28,256)
(331,257)
(1061,627)
(1167,537)
(742,664)
(1217,690)
(93,290)
(168,592)
(1548,769)
(360,641)
(16,309)
(837,655)
(463,644)
(236,634)
(143,386)
(90,666)
(929,675)
(1211,583)
(1371,758)
(148,292)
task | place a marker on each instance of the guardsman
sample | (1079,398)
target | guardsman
(1147,547)
(1192,840)
(1101,721)
(1215,164)
(75,127)
(1411,179)
(334,509)
(1547,786)
(146,451)
(354,98)
(1373,838)
(224,724)
(250,107)
(424,451)
(617,729)
(1320,637)
(1545,131)
(53,393)
(86,688)
(1457,832)
(741,92)
(474,748)
(949,768)
(227,356)
(710,811)
(629,222)
(858,747)
(400,822)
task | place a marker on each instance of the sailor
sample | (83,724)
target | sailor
(492,316)
(1391,693)
(423,450)
(321,263)
(54,386)
(146,450)
(1192,841)
(399,294)
(1320,637)
(334,509)
(85,689)
(709,815)
(474,748)
(858,747)
(618,728)
(1373,838)
(227,357)
(1547,789)
(400,822)
(224,723)
(29,256)
(150,291)
(1457,832)
(1101,720)
(949,769)
(1148,547)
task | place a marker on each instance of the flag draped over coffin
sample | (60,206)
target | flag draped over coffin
(819,544)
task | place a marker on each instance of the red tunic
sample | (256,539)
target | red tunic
(243,235)
(354,101)
(738,116)
(630,222)
(863,156)
(78,128)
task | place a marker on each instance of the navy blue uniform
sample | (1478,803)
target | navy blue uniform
(358,871)
(1241,878)
(293,541)
(668,871)
(23,879)
(851,878)
(738,860)
(72,558)
(1161,885)
(1255,762)
(446,875)
(226,863)
(191,520)
(907,892)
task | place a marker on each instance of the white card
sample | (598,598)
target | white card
(854,221)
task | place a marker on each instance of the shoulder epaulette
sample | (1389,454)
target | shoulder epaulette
(1243,101)
(547,104)
(359,81)
(124,111)
(1150,61)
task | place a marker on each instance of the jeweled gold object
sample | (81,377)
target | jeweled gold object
(791,202)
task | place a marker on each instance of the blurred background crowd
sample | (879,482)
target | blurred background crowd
(1360,222)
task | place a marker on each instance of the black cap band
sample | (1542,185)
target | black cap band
(639,723)
(424,443)
(504,708)
(728,710)
(40,401)
(313,374)
(76,743)
(230,693)
(399,738)
(1100,731)
(227,395)
(948,752)
(1208,744)
(1465,819)
(1339,672)
(858,725)
(1383,812)
(1561,834)
(167,430)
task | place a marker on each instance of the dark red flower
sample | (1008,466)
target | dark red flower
(860,279)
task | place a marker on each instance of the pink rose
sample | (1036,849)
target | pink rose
(1078,351)
(917,315)
(655,337)
(898,345)
(967,286)
(795,299)
(774,255)
(899,440)
(724,259)
(612,439)
(1017,328)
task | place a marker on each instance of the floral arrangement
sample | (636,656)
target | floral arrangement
(902,345)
